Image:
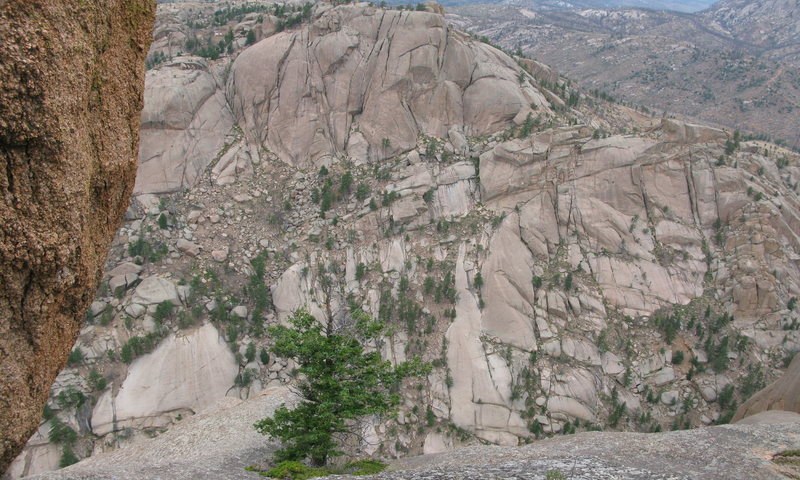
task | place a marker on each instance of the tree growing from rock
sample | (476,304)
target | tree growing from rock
(339,380)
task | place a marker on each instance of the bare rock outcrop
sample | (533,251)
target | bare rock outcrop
(368,82)
(184,123)
(782,394)
(69,118)
(220,444)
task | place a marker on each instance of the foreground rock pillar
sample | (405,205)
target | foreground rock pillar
(72,77)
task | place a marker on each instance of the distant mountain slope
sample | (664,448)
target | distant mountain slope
(676,5)
(773,25)
(735,64)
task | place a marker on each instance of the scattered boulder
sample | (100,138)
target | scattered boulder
(187,247)
(154,290)
(220,254)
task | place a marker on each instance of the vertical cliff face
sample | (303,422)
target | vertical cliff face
(72,76)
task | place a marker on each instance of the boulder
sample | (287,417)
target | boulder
(220,254)
(70,104)
(154,290)
(187,247)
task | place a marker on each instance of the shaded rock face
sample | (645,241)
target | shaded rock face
(783,394)
(69,119)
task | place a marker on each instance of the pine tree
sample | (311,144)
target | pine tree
(338,381)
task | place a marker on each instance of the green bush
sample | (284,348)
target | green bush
(250,353)
(68,457)
(97,381)
(136,346)
(245,378)
(293,470)
(251,37)
(264,355)
(61,433)
(70,397)
(362,191)
(361,269)
(76,357)
(163,311)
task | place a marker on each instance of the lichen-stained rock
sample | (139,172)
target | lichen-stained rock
(69,119)
(384,75)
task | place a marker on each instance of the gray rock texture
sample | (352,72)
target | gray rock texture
(222,443)
(218,443)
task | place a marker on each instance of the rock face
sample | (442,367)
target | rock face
(217,443)
(357,80)
(184,123)
(563,266)
(783,394)
(220,445)
(69,119)
(362,77)
(194,370)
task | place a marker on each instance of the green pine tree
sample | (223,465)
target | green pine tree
(338,381)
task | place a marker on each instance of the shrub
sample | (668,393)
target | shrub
(250,353)
(430,418)
(362,191)
(361,269)
(68,457)
(97,381)
(163,311)
(61,433)
(76,357)
(70,397)
(245,378)
(346,183)
(677,357)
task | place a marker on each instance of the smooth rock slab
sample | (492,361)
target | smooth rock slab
(193,371)
(216,444)
(732,452)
